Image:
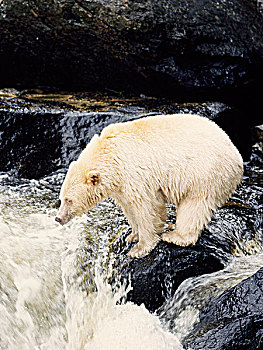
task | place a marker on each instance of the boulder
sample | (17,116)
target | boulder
(37,139)
(234,320)
(172,47)
(156,277)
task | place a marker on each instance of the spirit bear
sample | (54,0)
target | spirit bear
(143,164)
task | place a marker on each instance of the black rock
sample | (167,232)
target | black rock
(39,136)
(234,320)
(189,50)
(156,277)
(170,47)
(36,140)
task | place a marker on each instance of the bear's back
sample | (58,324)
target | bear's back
(184,130)
(178,140)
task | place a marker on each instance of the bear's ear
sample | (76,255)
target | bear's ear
(93,177)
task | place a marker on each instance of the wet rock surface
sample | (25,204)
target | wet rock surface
(156,277)
(234,320)
(38,137)
(42,132)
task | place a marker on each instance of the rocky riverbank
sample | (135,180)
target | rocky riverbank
(70,68)
(42,132)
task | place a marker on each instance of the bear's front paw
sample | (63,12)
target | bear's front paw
(176,238)
(133,237)
(139,250)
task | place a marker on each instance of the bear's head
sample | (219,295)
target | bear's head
(80,191)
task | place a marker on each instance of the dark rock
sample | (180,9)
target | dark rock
(256,159)
(41,133)
(189,50)
(166,47)
(36,140)
(257,133)
(234,320)
(156,277)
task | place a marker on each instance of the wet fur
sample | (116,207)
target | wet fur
(144,164)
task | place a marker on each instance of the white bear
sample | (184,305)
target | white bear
(143,164)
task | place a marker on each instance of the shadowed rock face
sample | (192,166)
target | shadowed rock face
(233,320)
(41,133)
(155,47)
(37,141)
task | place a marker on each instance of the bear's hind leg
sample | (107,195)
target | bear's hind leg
(192,217)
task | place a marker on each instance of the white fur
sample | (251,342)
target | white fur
(144,164)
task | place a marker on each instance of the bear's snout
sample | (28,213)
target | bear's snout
(58,220)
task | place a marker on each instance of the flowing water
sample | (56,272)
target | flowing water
(54,292)
(47,300)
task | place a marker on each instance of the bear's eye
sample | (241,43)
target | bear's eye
(68,201)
